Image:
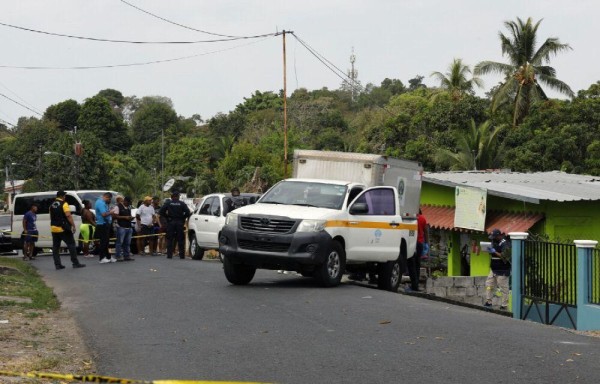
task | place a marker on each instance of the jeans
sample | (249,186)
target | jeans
(123,243)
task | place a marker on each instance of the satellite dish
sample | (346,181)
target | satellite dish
(168,185)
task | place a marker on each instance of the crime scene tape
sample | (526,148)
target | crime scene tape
(86,241)
(108,379)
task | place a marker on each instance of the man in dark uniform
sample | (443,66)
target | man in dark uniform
(176,212)
(62,228)
(500,268)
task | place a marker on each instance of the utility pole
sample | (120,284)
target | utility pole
(285,134)
(162,159)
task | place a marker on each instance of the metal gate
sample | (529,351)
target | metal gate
(548,281)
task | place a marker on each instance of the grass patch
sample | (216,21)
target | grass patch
(26,282)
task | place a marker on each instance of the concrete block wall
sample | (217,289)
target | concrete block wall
(465,289)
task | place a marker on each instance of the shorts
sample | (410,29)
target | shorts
(31,236)
(86,231)
(147,230)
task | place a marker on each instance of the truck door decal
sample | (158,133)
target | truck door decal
(370,224)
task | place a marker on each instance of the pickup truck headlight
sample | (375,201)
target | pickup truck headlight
(231,219)
(311,226)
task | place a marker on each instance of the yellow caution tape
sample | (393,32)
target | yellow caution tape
(108,379)
(82,240)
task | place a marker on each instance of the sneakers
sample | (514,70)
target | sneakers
(105,261)
(78,265)
(119,259)
(128,259)
(487,304)
(113,260)
(60,267)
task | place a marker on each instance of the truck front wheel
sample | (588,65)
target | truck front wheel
(238,274)
(331,271)
(196,252)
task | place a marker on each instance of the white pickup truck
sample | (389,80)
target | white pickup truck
(341,212)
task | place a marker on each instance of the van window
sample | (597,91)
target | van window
(71,200)
(23,203)
(93,196)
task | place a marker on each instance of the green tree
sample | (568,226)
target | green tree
(98,117)
(477,149)
(65,114)
(151,119)
(114,97)
(456,81)
(526,69)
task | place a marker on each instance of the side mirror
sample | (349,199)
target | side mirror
(359,209)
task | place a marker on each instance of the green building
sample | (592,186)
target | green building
(554,206)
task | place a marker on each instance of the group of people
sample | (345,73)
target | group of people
(157,226)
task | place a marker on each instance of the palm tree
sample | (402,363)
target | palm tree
(527,68)
(477,149)
(455,80)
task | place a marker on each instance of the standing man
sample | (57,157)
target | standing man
(414,263)
(176,212)
(122,214)
(103,223)
(500,268)
(30,231)
(62,228)
(145,219)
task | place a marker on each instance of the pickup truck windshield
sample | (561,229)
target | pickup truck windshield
(311,194)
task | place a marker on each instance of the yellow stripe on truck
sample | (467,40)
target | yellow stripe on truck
(369,224)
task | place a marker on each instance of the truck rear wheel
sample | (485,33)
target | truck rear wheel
(238,274)
(331,271)
(389,275)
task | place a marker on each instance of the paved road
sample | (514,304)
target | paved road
(158,319)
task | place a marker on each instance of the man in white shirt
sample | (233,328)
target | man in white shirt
(145,220)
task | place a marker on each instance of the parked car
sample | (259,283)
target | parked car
(207,220)
(6,244)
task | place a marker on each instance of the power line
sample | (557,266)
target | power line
(17,96)
(175,23)
(6,122)
(22,105)
(132,64)
(135,41)
(338,72)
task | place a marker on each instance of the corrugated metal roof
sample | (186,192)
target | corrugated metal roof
(530,187)
(443,218)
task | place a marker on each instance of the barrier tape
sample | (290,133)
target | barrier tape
(82,240)
(108,379)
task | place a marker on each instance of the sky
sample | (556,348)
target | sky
(391,38)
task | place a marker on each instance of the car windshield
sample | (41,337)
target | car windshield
(304,193)
(93,196)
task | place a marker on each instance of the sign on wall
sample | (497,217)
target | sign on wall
(470,208)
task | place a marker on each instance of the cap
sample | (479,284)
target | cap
(60,193)
(127,199)
(236,189)
(147,198)
(175,193)
(495,232)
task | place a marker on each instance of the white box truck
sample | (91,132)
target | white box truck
(340,212)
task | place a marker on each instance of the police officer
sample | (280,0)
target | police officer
(62,228)
(176,212)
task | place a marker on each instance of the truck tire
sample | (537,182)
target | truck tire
(238,274)
(330,272)
(196,252)
(390,275)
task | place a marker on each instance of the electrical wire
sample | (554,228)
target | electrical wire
(6,122)
(175,23)
(132,64)
(338,72)
(134,41)
(22,105)
(18,97)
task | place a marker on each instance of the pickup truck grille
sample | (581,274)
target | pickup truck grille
(263,224)
(264,246)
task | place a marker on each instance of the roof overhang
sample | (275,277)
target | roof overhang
(491,192)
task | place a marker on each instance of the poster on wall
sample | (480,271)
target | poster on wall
(470,208)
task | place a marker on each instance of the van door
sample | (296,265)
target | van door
(373,226)
(73,200)
(202,225)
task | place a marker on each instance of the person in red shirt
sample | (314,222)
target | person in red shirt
(414,263)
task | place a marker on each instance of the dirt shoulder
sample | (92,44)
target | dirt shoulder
(36,335)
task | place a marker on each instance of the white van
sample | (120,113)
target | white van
(22,204)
